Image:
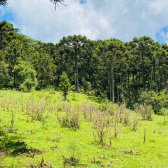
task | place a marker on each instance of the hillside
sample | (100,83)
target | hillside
(79,131)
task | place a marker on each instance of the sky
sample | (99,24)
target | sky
(95,19)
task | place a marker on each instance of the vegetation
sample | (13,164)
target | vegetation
(64,84)
(91,123)
(39,129)
(131,72)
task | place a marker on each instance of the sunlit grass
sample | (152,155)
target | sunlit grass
(127,150)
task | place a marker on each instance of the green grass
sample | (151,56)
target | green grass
(53,141)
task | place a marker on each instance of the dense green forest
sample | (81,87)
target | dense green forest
(124,72)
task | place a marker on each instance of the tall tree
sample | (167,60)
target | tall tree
(144,47)
(75,42)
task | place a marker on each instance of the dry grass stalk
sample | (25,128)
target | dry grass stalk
(69,118)
(122,109)
(36,110)
(145,130)
(127,118)
(145,110)
(88,110)
(136,120)
(101,122)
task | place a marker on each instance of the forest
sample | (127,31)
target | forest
(123,72)
(81,102)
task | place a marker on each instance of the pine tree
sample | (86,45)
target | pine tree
(64,84)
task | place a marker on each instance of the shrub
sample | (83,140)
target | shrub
(163,111)
(88,110)
(145,110)
(25,76)
(70,118)
(27,85)
(101,124)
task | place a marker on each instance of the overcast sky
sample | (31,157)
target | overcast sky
(95,19)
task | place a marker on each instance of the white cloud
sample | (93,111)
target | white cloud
(163,35)
(96,19)
(3,11)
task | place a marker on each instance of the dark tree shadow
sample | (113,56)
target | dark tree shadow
(13,146)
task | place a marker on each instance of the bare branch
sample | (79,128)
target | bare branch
(55,2)
(3,2)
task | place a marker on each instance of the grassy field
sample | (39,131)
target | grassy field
(78,132)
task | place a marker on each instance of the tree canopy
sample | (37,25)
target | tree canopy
(124,72)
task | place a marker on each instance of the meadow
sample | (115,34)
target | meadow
(41,129)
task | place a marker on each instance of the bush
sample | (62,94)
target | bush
(101,124)
(28,85)
(70,119)
(163,111)
(145,110)
(25,76)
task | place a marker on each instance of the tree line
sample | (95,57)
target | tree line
(120,71)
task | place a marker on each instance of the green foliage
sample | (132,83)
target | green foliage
(157,100)
(74,151)
(130,72)
(28,84)
(87,86)
(163,111)
(25,76)
(64,84)
(4,76)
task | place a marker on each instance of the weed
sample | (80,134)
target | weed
(88,110)
(101,123)
(122,112)
(135,121)
(74,151)
(145,130)
(145,110)
(2,131)
(11,128)
(127,118)
(70,118)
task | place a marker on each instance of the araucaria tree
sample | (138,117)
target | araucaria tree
(123,72)
(3,2)
(64,84)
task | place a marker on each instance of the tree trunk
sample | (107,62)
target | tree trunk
(76,75)
(143,71)
(112,83)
